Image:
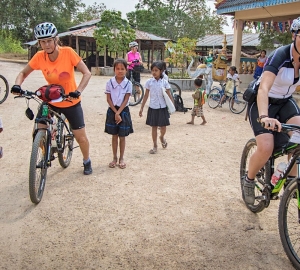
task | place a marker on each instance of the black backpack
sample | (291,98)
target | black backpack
(178,102)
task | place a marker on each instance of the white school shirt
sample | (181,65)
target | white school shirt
(233,77)
(118,91)
(157,100)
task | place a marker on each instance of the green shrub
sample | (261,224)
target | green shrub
(10,45)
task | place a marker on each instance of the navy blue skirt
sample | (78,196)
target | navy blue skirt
(124,128)
(158,117)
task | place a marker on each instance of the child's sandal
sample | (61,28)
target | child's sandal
(153,151)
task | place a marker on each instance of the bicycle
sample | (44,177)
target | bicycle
(137,91)
(289,207)
(236,102)
(175,89)
(57,137)
(4,89)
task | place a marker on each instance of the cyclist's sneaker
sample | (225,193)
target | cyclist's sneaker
(87,168)
(249,191)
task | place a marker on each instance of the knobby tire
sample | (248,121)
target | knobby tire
(263,174)
(66,144)
(38,167)
(288,224)
(4,89)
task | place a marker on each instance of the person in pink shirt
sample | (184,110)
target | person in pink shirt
(133,59)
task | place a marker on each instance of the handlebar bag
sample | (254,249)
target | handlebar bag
(50,92)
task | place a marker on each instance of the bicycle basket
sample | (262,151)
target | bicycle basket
(138,68)
(50,92)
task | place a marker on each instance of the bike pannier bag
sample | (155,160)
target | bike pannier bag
(50,92)
(251,92)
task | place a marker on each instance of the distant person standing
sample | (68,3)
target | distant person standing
(133,59)
(1,129)
(260,64)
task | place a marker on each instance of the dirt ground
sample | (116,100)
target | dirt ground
(178,209)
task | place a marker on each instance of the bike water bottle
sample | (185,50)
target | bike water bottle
(278,173)
(45,110)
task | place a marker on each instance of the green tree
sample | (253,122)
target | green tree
(89,13)
(21,17)
(181,51)
(269,38)
(113,33)
(176,18)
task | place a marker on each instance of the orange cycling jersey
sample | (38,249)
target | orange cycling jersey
(61,71)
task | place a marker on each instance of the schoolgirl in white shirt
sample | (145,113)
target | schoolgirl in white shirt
(118,119)
(157,115)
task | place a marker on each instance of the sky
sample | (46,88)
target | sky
(126,6)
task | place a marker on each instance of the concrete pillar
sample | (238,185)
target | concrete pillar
(237,43)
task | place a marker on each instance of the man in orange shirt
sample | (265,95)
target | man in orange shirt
(57,64)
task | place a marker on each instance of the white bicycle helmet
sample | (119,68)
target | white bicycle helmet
(295,26)
(133,44)
(45,30)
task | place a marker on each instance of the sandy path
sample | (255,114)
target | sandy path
(178,209)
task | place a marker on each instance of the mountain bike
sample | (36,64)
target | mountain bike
(4,89)
(289,207)
(137,91)
(236,102)
(56,138)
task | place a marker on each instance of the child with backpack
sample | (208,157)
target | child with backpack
(199,100)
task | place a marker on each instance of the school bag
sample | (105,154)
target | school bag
(178,102)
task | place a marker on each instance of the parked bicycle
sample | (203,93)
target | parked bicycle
(236,102)
(175,89)
(4,89)
(137,91)
(56,138)
(289,207)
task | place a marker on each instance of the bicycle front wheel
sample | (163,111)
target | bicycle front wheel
(214,98)
(4,89)
(38,167)
(175,88)
(260,178)
(64,142)
(137,94)
(288,222)
(237,104)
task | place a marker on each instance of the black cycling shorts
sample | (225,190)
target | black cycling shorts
(74,114)
(281,109)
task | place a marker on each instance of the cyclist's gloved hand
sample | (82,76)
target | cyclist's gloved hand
(16,89)
(75,94)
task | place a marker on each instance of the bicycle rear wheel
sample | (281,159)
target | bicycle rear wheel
(288,223)
(175,88)
(38,167)
(214,98)
(4,89)
(260,178)
(237,104)
(137,94)
(64,143)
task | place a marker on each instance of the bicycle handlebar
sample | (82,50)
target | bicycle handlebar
(30,94)
(285,128)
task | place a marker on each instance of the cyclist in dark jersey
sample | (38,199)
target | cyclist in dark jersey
(274,104)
